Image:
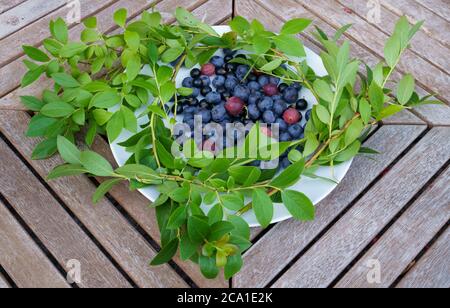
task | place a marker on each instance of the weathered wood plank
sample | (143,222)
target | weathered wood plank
(35,33)
(286,240)
(405,239)
(439,7)
(433,269)
(6,5)
(3,283)
(404,117)
(436,115)
(26,264)
(53,226)
(25,13)
(103,220)
(321,264)
(437,55)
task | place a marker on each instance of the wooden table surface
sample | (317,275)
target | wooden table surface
(389,214)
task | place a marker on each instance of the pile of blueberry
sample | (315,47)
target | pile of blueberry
(225,92)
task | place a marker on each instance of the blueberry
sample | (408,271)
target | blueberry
(253,85)
(204,104)
(217,61)
(253,112)
(274,80)
(228,52)
(252,77)
(206,81)
(256,163)
(206,115)
(221,90)
(205,90)
(283,126)
(285,137)
(219,81)
(188,82)
(195,92)
(265,104)
(178,108)
(254,98)
(226,95)
(242,92)
(297,85)
(290,95)
(230,67)
(198,83)
(263,80)
(218,113)
(302,104)
(221,71)
(269,117)
(228,58)
(282,87)
(231,83)
(296,131)
(193,101)
(277,97)
(213,98)
(195,73)
(285,163)
(308,115)
(242,71)
(189,110)
(279,107)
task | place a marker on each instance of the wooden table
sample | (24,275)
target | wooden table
(389,214)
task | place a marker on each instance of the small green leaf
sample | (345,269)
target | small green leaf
(239,25)
(134,171)
(271,66)
(323,114)
(35,54)
(241,227)
(57,110)
(101,116)
(167,253)
(66,170)
(68,151)
(324,90)
(65,80)
(389,111)
(289,176)
(133,40)
(178,217)
(234,265)
(104,188)
(120,17)
(290,45)
(32,75)
(187,248)
(261,44)
(392,51)
(96,164)
(60,30)
(129,119)
(198,229)
(72,49)
(233,202)
(376,97)
(39,125)
(32,103)
(114,126)
(299,205)
(219,230)
(353,131)
(263,207)
(105,99)
(365,110)
(208,267)
(405,89)
(45,149)
(172,54)
(295,26)
(215,214)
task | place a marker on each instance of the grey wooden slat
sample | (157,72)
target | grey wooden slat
(35,33)
(321,264)
(405,239)
(26,13)
(103,220)
(6,5)
(285,241)
(433,269)
(22,258)
(53,226)
(437,55)
(3,283)
(439,7)
(405,117)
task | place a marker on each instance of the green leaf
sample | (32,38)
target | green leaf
(133,40)
(289,176)
(90,22)
(271,66)
(60,30)
(32,75)
(186,18)
(66,170)
(89,36)
(239,25)
(215,214)
(172,54)
(45,149)
(133,67)
(392,51)
(376,97)
(178,217)
(129,119)
(290,45)
(39,125)
(198,229)
(261,44)
(65,80)
(68,151)
(164,156)
(120,17)
(79,117)
(168,90)
(241,227)
(350,152)
(134,171)
(96,164)
(389,111)
(263,207)
(101,116)
(32,103)
(323,114)
(187,248)
(234,265)
(299,205)
(104,188)
(167,253)
(295,26)
(105,99)
(244,175)
(208,267)
(35,54)
(233,202)
(324,90)
(405,89)
(353,131)
(365,110)
(57,110)
(72,49)
(219,230)
(114,126)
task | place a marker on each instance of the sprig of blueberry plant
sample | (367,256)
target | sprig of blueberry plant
(248,75)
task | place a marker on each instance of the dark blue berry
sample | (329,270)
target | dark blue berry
(195,93)
(297,85)
(296,131)
(221,90)
(242,71)
(218,113)
(274,80)
(302,104)
(253,85)
(228,58)
(253,112)
(269,117)
(290,95)
(195,73)
(204,104)
(221,71)
(263,80)
(282,87)
(213,98)
(265,104)
(188,82)
(205,90)
(206,115)
(282,125)
(229,52)
(279,107)
(308,115)
(230,67)
(231,83)
(242,92)
(198,83)
(206,81)
(252,77)
(219,81)
(217,61)
(256,163)
(285,137)
(254,98)
(285,163)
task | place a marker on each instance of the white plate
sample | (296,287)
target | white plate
(315,189)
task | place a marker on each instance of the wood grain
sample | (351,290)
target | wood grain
(6,5)
(35,33)
(103,220)
(22,258)
(436,56)
(433,269)
(53,226)
(286,240)
(26,13)
(405,239)
(3,283)
(321,264)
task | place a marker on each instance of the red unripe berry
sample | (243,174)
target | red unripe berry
(266,131)
(235,106)
(208,69)
(292,116)
(270,89)
(209,146)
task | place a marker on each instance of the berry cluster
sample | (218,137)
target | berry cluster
(225,92)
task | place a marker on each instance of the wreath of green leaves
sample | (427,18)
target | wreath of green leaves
(102,71)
